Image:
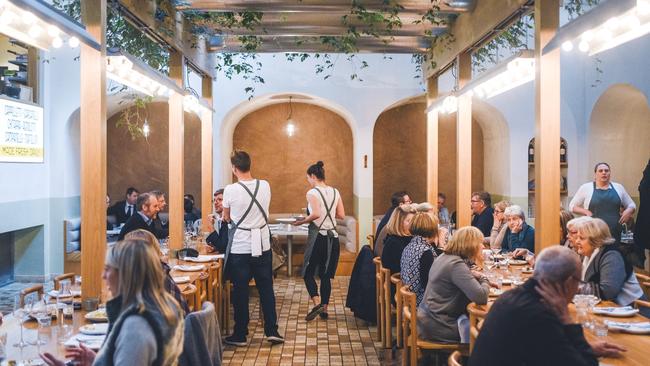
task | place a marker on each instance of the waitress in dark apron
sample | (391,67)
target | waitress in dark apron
(322,251)
(606,201)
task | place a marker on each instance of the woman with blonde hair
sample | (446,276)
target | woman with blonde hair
(451,286)
(398,235)
(145,322)
(499,227)
(603,265)
(420,253)
(170,284)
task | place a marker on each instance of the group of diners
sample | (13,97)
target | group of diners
(447,276)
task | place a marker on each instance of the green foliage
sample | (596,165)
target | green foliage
(132,118)
(575,8)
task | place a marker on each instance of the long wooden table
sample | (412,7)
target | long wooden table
(638,346)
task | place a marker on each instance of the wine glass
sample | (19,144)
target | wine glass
(20,313)
(42,315)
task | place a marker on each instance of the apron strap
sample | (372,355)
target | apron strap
(327,209)
(250,205)
(257,203)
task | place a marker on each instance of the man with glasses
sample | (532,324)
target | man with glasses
(483,214)
(537,313)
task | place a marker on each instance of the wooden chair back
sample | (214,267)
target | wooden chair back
(64,277)
(202,289)
(644,281)
(396,279)
(455,359)
(379,286)
(189,293)
(214,280)
(36,289)
(371,240)
(387,303)
(476,315)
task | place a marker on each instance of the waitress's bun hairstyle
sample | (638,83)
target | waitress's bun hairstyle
(599,164)
(317,170)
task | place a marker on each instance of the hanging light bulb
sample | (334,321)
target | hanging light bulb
(57,42)
(28,18)
(291,127)
(145,128)
(567,46)
(7,17)
(73,42)
(34,31)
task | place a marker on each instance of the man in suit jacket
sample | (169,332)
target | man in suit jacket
(160,230)
(531,325)
(147,205)
(218,239)
(123,210)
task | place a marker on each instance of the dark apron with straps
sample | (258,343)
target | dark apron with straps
(332,240)
(605,204)
(237,226)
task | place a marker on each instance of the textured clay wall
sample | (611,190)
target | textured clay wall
(282,160)
(399,148)
(144,163)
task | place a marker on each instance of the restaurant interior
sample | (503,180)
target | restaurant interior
(474,108)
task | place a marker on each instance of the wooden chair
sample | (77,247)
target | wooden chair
(189,293)
(387,305)
(455,359)
(412,344)
(476,315)
(225,306)
(396,280)
(379,296)
(214,281)
(36,289)
(371,240)
(202,289)
(64,277)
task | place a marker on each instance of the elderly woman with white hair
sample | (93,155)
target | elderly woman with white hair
(518,234)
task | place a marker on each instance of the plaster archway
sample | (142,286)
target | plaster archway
(619,131)
(236,114)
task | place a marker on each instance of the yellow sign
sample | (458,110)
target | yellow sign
(21,132)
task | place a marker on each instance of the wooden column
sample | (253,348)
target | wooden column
(464,145)
(176,146)
(547,127)
(432,142)
(93,149)
(206,156)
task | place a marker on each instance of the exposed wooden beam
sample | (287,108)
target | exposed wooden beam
(472,28)
(432,142)
(176,151)
(174,32)
(283,6)
(464,144)
(547,126)
(206,156)
(93,149)
(314,44)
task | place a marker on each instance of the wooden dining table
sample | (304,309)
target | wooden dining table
(637,345)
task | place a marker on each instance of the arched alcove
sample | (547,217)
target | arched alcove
(619,134)
(320,134)
(399,149)
(144,163)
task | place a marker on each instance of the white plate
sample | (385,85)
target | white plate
(94,329)
(92,342)
(55,293)
(506,281)
(517,262)
(204,258)
(98,316)
(286,220)
(181,279)
(617,311)
(495,292)
(187,268)
(635,328)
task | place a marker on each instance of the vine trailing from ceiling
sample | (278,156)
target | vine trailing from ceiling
(133,118)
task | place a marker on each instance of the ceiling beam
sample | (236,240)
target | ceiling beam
(473,28)
(283,6)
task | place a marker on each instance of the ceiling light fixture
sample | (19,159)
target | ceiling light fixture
(291,126)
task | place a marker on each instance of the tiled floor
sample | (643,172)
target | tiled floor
(340,340)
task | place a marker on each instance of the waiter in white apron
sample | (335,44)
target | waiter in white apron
(248,253)
(322,251)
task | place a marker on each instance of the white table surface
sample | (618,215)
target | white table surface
(289,231)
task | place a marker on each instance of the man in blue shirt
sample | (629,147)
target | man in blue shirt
(483,214)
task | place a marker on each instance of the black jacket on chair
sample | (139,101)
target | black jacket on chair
(134,223)
(119,211)
(219,240)
(520,330)
(642,227)
(361,291)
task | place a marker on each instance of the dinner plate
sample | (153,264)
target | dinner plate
(181,279)
(204,258)
(634,328)
(189,268)
(517,262)
(93,342)
(495,292)
(506,281)
(94,329)
(617,311)
(286,220)
(97,316)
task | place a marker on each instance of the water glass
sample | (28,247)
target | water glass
(599,327)
(44,318)
(21,313)
(516,277)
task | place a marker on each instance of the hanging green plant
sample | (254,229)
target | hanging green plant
(133,118)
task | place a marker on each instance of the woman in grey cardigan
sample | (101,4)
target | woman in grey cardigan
(145,322)
(451,286)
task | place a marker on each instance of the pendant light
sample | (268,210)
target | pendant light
(291,126)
